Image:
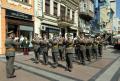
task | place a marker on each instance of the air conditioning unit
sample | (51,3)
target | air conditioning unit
(43,28)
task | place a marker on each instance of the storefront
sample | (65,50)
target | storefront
(20,23)
(50,30)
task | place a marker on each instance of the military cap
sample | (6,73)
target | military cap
(10,32)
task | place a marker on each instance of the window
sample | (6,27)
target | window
(55,9)
(47,6)
(24,1)
(73,15)
(62,12)
(68,13)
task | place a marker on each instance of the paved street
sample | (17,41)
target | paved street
(105,69)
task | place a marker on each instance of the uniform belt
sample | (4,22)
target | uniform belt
(55,46)
(10,49)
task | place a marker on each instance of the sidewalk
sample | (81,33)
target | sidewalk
(89,72)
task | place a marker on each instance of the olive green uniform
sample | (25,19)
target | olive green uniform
(44,50)
(82,50)
(88,48)
(55,52)
(70,50)
(10,56)
(36,45)
(61,48)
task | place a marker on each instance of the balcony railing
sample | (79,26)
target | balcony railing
(65,21)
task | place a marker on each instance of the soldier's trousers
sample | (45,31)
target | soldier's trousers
(61,52)
(44,52)
(95,52)
(82,54)
(77,52)
(55,57)
(69,59)
(37,56)
(88,52)
(10,65)
(100,50)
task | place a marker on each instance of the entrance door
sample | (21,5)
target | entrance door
(12,27)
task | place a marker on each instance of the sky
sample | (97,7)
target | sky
(118,8)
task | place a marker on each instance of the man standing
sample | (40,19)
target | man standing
(61,47)
(36,45)
(10,44)
(88,48)
(82,48)
(70,50)
(55,51)
(44,49)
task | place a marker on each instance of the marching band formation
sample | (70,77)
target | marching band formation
(83,48)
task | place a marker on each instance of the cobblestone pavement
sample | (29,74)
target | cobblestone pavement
(103,69)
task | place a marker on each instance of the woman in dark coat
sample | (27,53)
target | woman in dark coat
(25,44)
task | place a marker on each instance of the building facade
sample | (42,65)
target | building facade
(86,14)
(18,16)
(56,17)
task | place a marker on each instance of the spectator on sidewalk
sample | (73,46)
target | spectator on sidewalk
(25,45)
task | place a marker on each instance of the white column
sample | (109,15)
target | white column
(58,9)
(0,27)
(37,25)
(70,13)
(43,5)
(51,7)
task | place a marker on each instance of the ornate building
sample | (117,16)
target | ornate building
(58,17)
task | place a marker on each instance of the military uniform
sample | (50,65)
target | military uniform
(44,50)
(100,47)
(55,52)
(10,44)
(88,48)
(61,48)
(36,45)
(82,50)
(95,48)
(70,50)
(77,48)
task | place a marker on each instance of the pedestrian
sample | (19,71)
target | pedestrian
(25,45)
(10,44)
(36,45)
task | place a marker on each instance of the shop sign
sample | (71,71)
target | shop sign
(19,15)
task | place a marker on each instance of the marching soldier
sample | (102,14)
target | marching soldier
(100,46)
(88,48)
(61,47)
(44,44)
(55,51)
(82,49)
(69,54)
(95,48)
(10,44)
(36,45)
(77,47)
